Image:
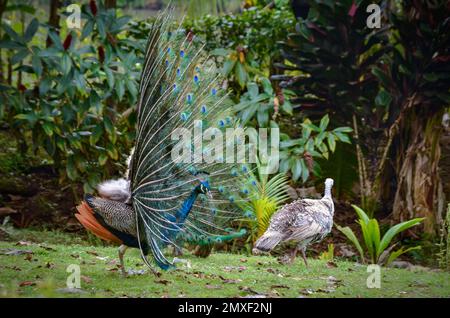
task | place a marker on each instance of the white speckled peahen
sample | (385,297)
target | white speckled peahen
(304,221)
(162,199)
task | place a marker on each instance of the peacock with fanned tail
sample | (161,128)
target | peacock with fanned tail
(163,201)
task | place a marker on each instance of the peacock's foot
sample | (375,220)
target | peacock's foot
(133,272)
(176,250)
(185,262)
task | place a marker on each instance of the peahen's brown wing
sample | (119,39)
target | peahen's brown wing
(302,220)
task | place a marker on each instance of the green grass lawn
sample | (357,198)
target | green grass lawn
(40,270)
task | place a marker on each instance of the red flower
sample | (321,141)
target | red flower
(280,95)
(67,41)
(22,88)
(93,7)
(309,161)
(101,54)
(190,36)
(352,10)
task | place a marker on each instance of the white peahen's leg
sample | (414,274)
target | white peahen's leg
(293,254)
(122,250)
(289,257)
(304,255)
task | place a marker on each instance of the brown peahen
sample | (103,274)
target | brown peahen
(164,201)
(304,221)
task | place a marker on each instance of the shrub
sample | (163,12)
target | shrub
(379,249)
(68,97)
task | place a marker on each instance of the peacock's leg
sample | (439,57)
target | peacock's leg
(125,273)
(122,250)
(177,250)
(304,255)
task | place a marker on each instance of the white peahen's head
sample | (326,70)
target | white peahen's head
(328,185)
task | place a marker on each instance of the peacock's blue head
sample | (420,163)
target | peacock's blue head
(204,188)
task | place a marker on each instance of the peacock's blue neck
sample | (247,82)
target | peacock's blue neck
(186,207)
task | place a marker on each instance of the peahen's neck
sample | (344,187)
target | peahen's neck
(186,207)
(327,193)
(327,199)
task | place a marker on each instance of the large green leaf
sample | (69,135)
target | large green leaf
(241,74)
(87,29)
(393,231)
(305,171)
(331,142)
(296,169)
(20,56)
(31,30)
(71,169)
(7,44)
(374,231)
(252,89)
(368,239)
(228,67)
(399,252)
(324,122)
(352,237)
(361,214)
(37,65)
(12,34)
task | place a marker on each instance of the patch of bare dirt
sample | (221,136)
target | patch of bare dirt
(36,198)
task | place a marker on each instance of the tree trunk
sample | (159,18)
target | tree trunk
(110,4)
(3,4)
(53,20)
(444,164)
(419,187)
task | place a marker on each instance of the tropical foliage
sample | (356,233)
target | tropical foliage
(390,84)
(378,248)
(248,40)
(247,46)
(298,155)
(70,94)
(443,255)
(264,198)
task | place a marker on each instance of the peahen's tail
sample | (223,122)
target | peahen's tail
(268,241)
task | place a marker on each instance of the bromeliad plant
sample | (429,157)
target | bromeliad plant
(265,197)
(379,249)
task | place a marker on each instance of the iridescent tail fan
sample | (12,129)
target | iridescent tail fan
(181,183)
